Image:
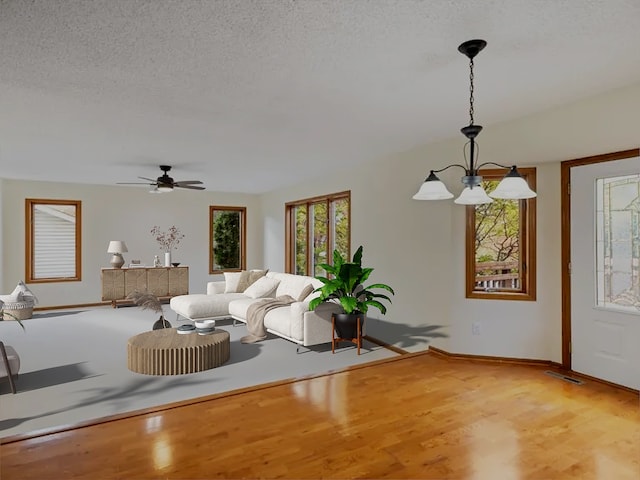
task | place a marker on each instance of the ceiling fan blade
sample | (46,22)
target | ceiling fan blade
(150,179)
(134,183)
(188,182)
(188,186)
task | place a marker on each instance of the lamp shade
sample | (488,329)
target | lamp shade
(117,246)
(513,187)
(473,196)
(432,189)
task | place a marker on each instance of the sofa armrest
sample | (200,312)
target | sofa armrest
(298,309)
(317,328)
(216,287)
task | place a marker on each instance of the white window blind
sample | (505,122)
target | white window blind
(54,237)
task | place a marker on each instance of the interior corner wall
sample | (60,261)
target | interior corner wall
(418,247)
(120,213)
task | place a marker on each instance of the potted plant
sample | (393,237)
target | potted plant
(346,288)
(148,301)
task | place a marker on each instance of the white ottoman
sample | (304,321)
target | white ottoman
(203,307)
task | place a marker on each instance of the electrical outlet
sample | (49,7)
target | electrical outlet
(475,328)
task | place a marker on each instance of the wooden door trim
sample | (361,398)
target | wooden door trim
(565,235)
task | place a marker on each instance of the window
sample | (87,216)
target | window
(315,227)
(53,240)
(501,244)
(227,239)
(618,242)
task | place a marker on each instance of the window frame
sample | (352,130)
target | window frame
(243,238)
(290,231)
(527,256)
(30,204)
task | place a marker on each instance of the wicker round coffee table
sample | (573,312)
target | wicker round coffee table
(166,352)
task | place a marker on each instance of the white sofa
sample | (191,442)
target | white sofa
(293,322)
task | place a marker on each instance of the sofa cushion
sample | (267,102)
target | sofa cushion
(263,287)
(249,277)
(238,307)
(292,285)
(279,320)
(306,291)
(231,280)
(203,306)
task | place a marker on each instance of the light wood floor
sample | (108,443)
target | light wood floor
(417,416)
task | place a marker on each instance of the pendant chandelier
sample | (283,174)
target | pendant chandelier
(512,186)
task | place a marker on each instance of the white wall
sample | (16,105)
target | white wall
(418,247)
(121,213)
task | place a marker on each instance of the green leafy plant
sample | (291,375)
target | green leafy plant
(346,286)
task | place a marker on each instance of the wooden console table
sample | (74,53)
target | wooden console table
(163,282)
(166,352)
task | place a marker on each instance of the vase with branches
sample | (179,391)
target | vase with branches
(148,301)
(167,240)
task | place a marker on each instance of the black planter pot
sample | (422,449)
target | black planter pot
(161,323)
(346,324)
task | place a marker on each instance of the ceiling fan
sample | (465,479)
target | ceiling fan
(164,183)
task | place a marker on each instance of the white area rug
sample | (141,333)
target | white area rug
(74,367)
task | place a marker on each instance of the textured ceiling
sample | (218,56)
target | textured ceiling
(250,96)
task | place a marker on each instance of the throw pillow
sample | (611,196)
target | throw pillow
(231,280)
(306,291)
(249,278)
(11,298)
(263,287)
(27,294)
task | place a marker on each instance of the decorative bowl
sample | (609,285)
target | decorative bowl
(204,324)
(175,264)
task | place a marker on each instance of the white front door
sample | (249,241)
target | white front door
(605,271)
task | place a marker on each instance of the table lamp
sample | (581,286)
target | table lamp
(117,247)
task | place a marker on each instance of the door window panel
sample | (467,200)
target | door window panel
(618,243)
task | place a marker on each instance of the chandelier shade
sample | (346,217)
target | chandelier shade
(433,189)
(473,196)
(511,187)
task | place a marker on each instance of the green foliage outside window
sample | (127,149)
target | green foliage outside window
(227,249)
(497,235)
(315,224)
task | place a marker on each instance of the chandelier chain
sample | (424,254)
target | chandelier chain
(471,91)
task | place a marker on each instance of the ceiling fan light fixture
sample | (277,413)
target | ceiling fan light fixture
(164,187)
